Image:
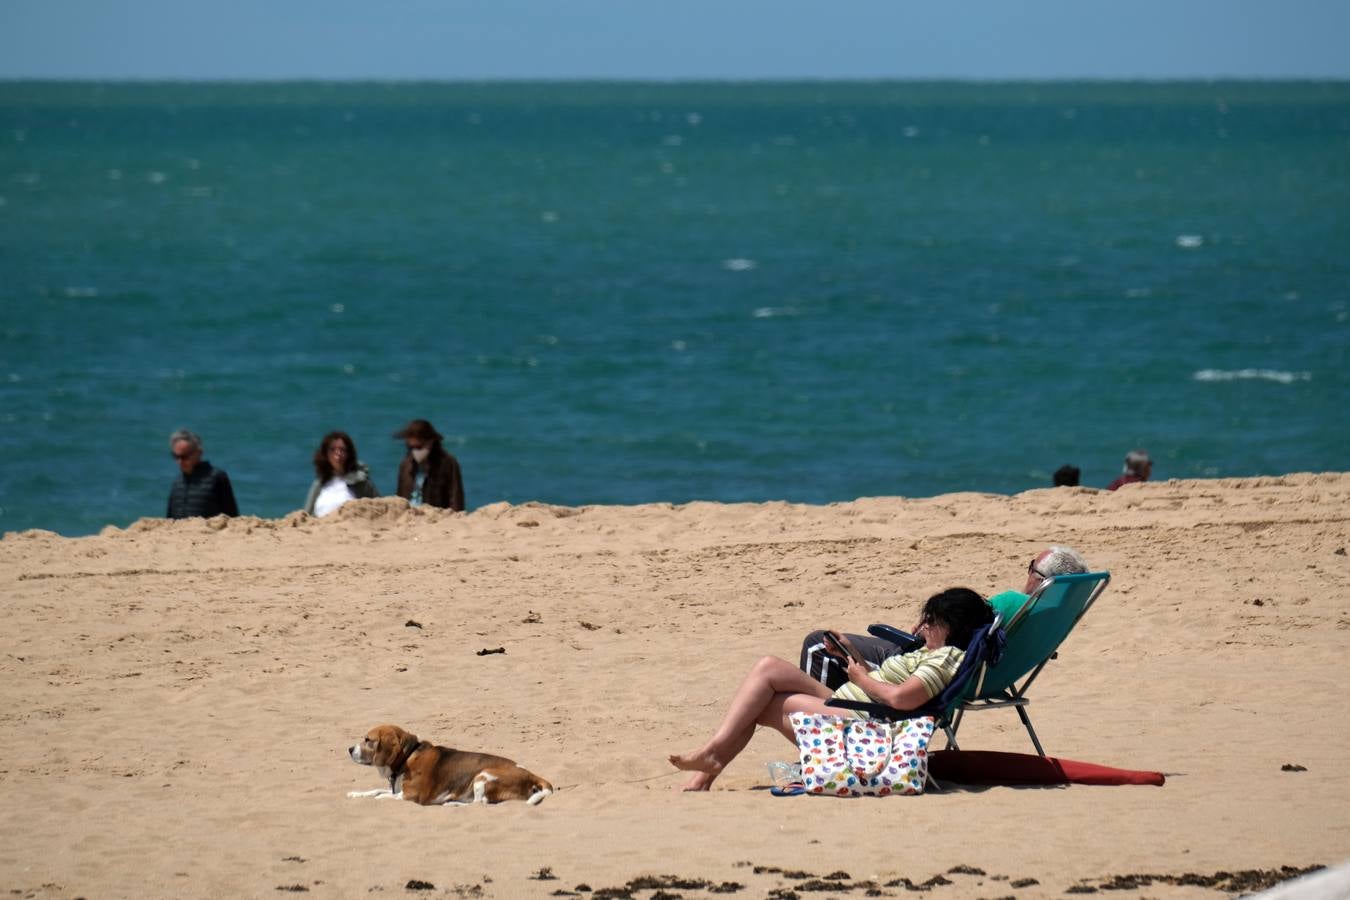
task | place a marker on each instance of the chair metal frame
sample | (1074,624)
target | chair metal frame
(1015,695)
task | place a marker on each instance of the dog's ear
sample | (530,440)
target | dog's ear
(408,744)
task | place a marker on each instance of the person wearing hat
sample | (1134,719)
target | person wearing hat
(428,476)
(1137,468)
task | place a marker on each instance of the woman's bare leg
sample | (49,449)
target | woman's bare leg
(758,701)
(778,715)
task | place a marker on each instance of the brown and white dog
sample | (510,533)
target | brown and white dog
(425,773)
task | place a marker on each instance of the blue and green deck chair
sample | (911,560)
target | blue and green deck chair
(1001,679)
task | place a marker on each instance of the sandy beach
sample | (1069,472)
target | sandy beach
(178,696)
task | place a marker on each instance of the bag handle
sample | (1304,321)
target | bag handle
(885,747)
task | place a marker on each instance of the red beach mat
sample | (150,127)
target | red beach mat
(993,767)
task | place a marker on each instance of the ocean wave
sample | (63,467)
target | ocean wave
(1251,374)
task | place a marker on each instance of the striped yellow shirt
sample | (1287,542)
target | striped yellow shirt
(935,668)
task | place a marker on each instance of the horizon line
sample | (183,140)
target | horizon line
(673,80)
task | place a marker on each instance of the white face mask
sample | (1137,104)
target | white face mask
(421,454)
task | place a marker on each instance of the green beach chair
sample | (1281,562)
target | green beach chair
(1034,633)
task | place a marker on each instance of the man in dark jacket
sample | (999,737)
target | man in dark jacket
(428,476)
(202,490)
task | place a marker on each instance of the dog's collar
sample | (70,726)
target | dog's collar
(396,768)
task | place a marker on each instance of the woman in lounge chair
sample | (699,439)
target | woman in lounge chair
(775,688)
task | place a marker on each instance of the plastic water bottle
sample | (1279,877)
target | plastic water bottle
(783,774)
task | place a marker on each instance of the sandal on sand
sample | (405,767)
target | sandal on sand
(788,790)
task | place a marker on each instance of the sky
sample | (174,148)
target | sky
(673,39)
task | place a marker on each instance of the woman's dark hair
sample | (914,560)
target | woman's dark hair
(963,612)
(323,469)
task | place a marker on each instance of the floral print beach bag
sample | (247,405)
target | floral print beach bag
(848,757)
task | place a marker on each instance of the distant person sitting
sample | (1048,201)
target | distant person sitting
(1066,476)
(202,490)
(339,475)
(817,661)
(1138,467)
(428,476)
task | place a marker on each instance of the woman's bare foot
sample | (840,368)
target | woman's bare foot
(701,781)
(696,762)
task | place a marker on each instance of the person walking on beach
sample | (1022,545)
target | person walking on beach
(1138,467)
(428,476)
(201,489)
(339,475)
(829,671)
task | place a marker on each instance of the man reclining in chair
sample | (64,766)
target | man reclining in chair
(774,688)
(828,668)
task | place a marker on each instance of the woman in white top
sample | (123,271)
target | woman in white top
(339,476)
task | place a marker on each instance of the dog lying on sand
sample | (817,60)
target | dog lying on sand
(429,774)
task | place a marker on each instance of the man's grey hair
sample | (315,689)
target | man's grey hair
(183,434)
(1136,461)
(1063,561)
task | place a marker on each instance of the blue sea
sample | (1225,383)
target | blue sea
(635,292)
